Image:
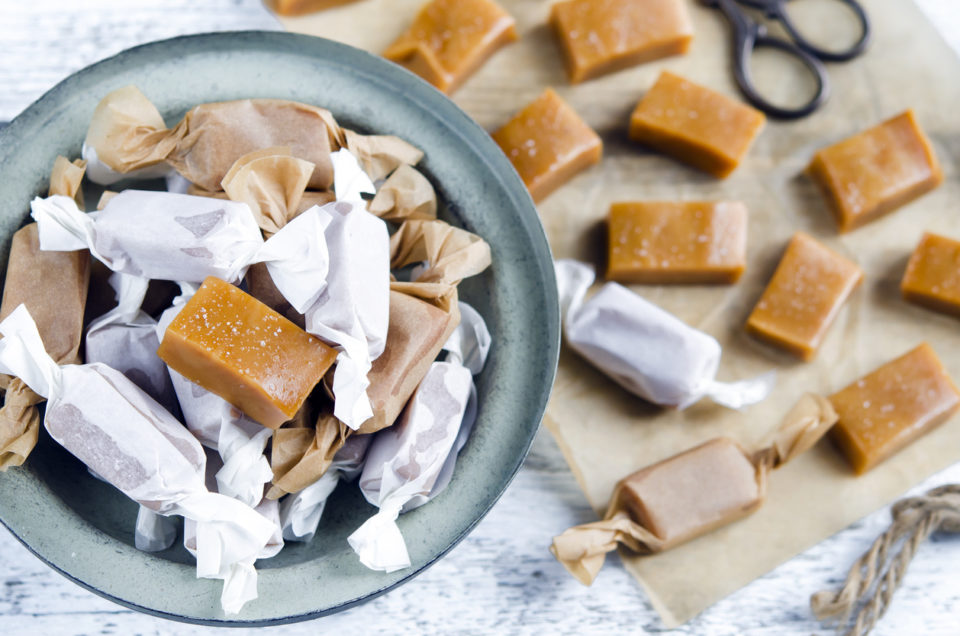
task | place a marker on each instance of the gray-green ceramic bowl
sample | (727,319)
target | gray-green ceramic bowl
(84,528)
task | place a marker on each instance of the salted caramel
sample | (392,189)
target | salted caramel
(807,290)
(887,409)
(233,345)
(695,125)
(664,242)
(877,171)
(603,36)
(450,39)
(692,493)
(302,7)
(932,278)
(548,144)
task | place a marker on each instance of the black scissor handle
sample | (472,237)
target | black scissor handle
(748,35)
(777,10)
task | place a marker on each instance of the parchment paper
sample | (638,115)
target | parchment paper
(605,432)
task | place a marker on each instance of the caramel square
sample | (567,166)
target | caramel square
(891,407)
(803,298)
(602,36)
(303,7)
(663,242)
(876,171)
(548,144)
(450,39)
(932,278)
(695,125)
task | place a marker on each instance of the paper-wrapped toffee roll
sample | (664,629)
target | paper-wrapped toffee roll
(411,462)
(301,455)
(643,348)
(53,286)
(690,494)
(130,441)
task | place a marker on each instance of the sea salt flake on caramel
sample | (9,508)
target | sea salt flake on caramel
(876,171)
(932,278)
(602,36)
(803,298)
(891,407)
(235,346)
(692,493)
(695,125)
(662,242)
(548,144)
(450,39)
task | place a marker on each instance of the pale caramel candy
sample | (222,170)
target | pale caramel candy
(548,144)
(892,406)
(804,296)
(302,7)
(450,39)
(677,242)
(235,346)
(695,125)
(877,171)
(932,278)
(602,36)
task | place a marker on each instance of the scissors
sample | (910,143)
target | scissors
(749,35)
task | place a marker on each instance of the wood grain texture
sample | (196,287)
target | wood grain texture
(501,579)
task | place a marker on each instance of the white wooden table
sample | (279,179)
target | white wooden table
(501,579)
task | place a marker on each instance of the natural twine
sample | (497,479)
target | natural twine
(876,575)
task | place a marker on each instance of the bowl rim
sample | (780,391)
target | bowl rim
(475,137)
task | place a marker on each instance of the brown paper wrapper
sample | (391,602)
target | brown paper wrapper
(380,155)
(300,456)
(406,195)
(53,286)
(272,182)
(582,549)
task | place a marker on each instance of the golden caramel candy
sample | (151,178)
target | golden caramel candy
(802,300)
(233,345)
(548,144)
(695,125)
(932,278)
(692,493)
(677,242)
(887,409)
(302,7)
(602,36)
(450,39)
(876,171)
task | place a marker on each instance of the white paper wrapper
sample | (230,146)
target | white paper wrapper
(220,426)
(102,174)
(123,435)
(154,532)
(643,348)
(353,310)
(413,460)
(300,512)
(179,237)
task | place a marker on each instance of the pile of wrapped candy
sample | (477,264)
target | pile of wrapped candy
(286,316)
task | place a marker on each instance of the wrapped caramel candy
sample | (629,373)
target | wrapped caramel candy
(690,494)
(300,456)
(53,286)
(644,349)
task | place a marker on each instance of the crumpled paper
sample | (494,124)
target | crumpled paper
(412,461)
(582,549)
(272,182)
(643,348)
(53,286)
(380,155)
(300,455)
(405,195)
(130,441)
(300,512)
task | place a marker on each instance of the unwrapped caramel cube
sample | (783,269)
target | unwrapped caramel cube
(450,39)
(302,7)
(602,36)
(932,278)
(233,345)
(548,144)
(887,409)
(692,493)
(677,242)
(695,125)
(802,300)
(876,171)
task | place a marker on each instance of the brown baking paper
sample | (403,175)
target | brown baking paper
(300,456)
(605,432)
(53,286)
(272,182)
(405,195)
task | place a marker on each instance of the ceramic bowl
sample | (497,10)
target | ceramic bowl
(84,528)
